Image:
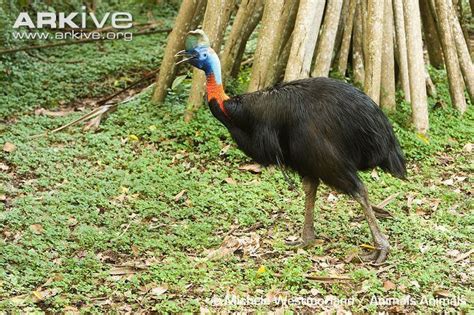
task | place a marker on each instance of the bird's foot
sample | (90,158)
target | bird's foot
(307,240)
(378,255)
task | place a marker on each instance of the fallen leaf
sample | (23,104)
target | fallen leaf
(122,270)
(467,147)
(332,198)
(375,174)
(224,150)
(448,182)
(132,138)
(389,285)
(3,197)
(37,228)
(179,195)
(248,244)
(328,279)
(72,221)
(261,270)
(135,250)
(45,112)
(230,180)
(442,293)
(9,147)
(157,291)
(4,167)
(254,168)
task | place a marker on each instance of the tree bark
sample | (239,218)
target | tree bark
(216,19)
(189,16)
(456,86)
(416,67)
(433,45)
(305,35)
(246,19)
(346,38)
(358,48)
(285,29)
(325,45)
(270,42)
(401,51)
(387,85)
(467,67)
(374,49)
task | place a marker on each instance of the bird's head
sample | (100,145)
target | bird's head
(198,53)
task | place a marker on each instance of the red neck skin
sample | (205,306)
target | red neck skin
(216,91)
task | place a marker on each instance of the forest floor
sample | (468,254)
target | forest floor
(151,213)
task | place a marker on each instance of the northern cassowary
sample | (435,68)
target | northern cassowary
(325,130)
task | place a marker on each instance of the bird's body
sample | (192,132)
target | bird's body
(324,129)
(319,127)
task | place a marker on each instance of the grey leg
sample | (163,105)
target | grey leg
(310,186)
(381,243)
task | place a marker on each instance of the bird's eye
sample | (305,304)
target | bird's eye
(204,55)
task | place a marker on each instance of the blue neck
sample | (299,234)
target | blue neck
(213,67)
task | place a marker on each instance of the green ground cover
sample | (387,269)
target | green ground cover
(139,215)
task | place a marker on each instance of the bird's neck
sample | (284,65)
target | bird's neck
(215,90)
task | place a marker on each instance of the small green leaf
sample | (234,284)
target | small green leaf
(178,81)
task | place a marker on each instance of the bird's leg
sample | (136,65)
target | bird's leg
(381,243)
(310,186)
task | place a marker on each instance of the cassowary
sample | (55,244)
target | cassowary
(325,130)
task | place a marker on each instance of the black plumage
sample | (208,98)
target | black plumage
(324,129)
(321,128)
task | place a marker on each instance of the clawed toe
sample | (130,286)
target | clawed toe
(377,256)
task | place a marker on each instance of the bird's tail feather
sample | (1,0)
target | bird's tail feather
(395,163)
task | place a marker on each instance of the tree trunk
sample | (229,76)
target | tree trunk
(456,86)
(387,85)
(305,35)
(431,35)
(269,42)
(285,29)
(374,49)
(416,67)
(401,51)
(358,48)
(246,19)
(189,16)
(325,46)
(467,68)
(216,19)
(346,38)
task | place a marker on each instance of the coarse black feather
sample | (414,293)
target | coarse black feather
(321,128)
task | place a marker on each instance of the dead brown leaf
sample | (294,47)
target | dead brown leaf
(45,112)
(4,167)
(179,195)
(328,279)
(157,291)
(230,180)
(442,293)
(37,228)
(9,147)
(389,285)
(248,244)
(135,250)
(253,168)
(122,270)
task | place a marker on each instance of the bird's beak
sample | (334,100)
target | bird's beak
(187,56)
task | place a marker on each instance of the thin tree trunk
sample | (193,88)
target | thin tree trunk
(374,49)
(433,45)
(216,19)
(305,35)
(189,16)
(358,48)
(456,85)
(325,46)
(416,67)
(346,38)
(269,43)
(340,31)
(246,19)
(387,85)
(467,68)
(401,41)
(285,29)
